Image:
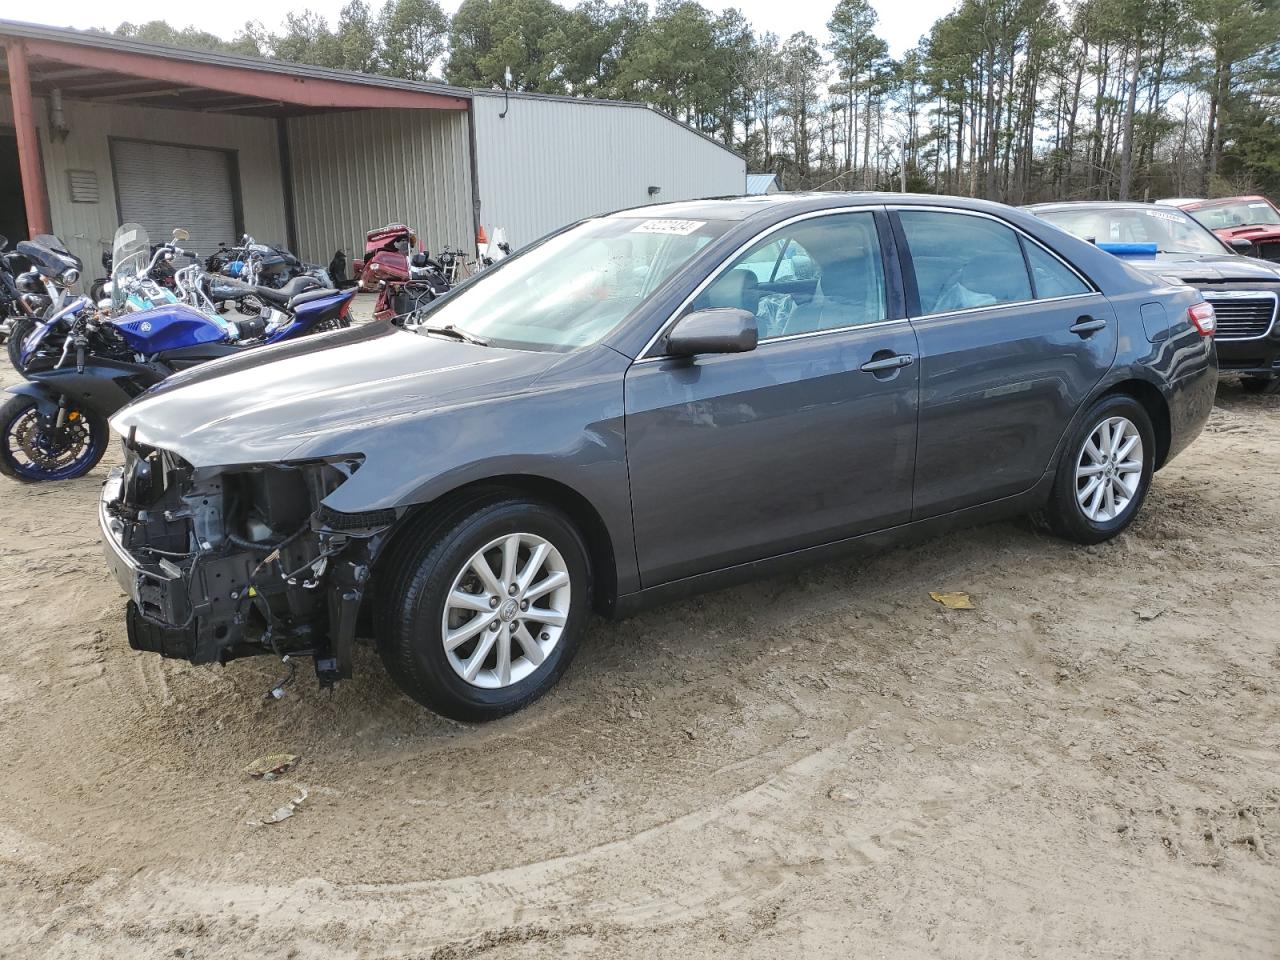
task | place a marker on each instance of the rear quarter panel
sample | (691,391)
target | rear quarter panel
(1182,364)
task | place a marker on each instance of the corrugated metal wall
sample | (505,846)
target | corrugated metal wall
(88,227)
(550,162)
(364,168)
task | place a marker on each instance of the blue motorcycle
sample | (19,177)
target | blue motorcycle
(82,364)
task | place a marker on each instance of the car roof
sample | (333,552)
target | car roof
(1091,205)
(785,203)
(1219,201)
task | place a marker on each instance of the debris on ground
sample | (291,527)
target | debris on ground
(953,601)
(271,766)
(1150,611)
(283,813)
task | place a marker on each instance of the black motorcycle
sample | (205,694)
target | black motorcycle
(263,264)
(427,282)
(12,305)
(35,278)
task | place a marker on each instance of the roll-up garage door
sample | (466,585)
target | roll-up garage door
(162,187)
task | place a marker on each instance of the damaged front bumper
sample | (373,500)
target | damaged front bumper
(246,561)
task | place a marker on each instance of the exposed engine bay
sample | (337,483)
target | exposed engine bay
(242,561)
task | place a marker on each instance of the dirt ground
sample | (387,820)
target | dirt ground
(824,765)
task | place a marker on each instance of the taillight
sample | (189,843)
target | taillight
(1202,318)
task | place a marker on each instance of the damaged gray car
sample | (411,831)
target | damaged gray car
(643,405)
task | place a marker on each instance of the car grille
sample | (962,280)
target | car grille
(1243,317)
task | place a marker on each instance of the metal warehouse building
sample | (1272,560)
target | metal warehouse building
(98,131)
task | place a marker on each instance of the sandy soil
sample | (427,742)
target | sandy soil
(825,765)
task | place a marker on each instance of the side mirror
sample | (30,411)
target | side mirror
(1240,244)
(180,235)
(719,330)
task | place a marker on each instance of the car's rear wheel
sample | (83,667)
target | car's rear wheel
(484,614)
(1105,472)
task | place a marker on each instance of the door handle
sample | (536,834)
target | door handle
(888,363)
(1086,326)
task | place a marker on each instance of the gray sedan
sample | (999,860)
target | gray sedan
(645,404)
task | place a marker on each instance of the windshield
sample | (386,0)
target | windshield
(1238,213)
(573,288)
(130,256)
(1170,230)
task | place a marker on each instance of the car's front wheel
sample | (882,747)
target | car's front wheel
(1105,472)
(484,614)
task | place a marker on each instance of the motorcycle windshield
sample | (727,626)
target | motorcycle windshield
(130,255)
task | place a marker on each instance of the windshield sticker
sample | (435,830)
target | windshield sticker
(1259,206)
(672,228)
(129,237)
(1162,215)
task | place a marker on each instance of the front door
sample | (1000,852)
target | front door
(806,440)
(1012,342)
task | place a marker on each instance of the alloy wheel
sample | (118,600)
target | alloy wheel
(1109,469)
(506,610)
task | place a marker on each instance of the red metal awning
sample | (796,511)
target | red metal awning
(105,69)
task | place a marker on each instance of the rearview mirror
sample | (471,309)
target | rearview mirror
(719,330)
(1240,244)
(180,235)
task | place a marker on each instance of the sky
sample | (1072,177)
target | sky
(902,22)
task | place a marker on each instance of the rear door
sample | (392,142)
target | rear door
(163,186)
(808,439)
(1012,341)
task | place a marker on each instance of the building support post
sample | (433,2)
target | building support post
(24,122)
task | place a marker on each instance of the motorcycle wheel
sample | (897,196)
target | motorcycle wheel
(21,329)
(30,452)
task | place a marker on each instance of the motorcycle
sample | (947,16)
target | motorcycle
(496,249)
(144,275)
(386,256)
(398,299)
(263,265)
(15,304)
(51,269)
(83,364)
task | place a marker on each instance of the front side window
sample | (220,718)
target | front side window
(824,273)
(572,289)
(962,262)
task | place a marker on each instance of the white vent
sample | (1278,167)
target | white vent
(84,186)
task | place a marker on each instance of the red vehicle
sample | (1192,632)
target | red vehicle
(386,256)
(1253,220)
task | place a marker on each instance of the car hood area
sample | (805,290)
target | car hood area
(315,396)
(1205,268)
(1254,233)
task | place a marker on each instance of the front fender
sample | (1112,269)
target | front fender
(46,398)
(102,387)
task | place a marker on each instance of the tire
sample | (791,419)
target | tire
(18,332)
(434,565)
(1066,514)
(1260,384)
(17,415)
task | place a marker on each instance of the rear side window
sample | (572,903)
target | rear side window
(1051,276)
(962,262)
